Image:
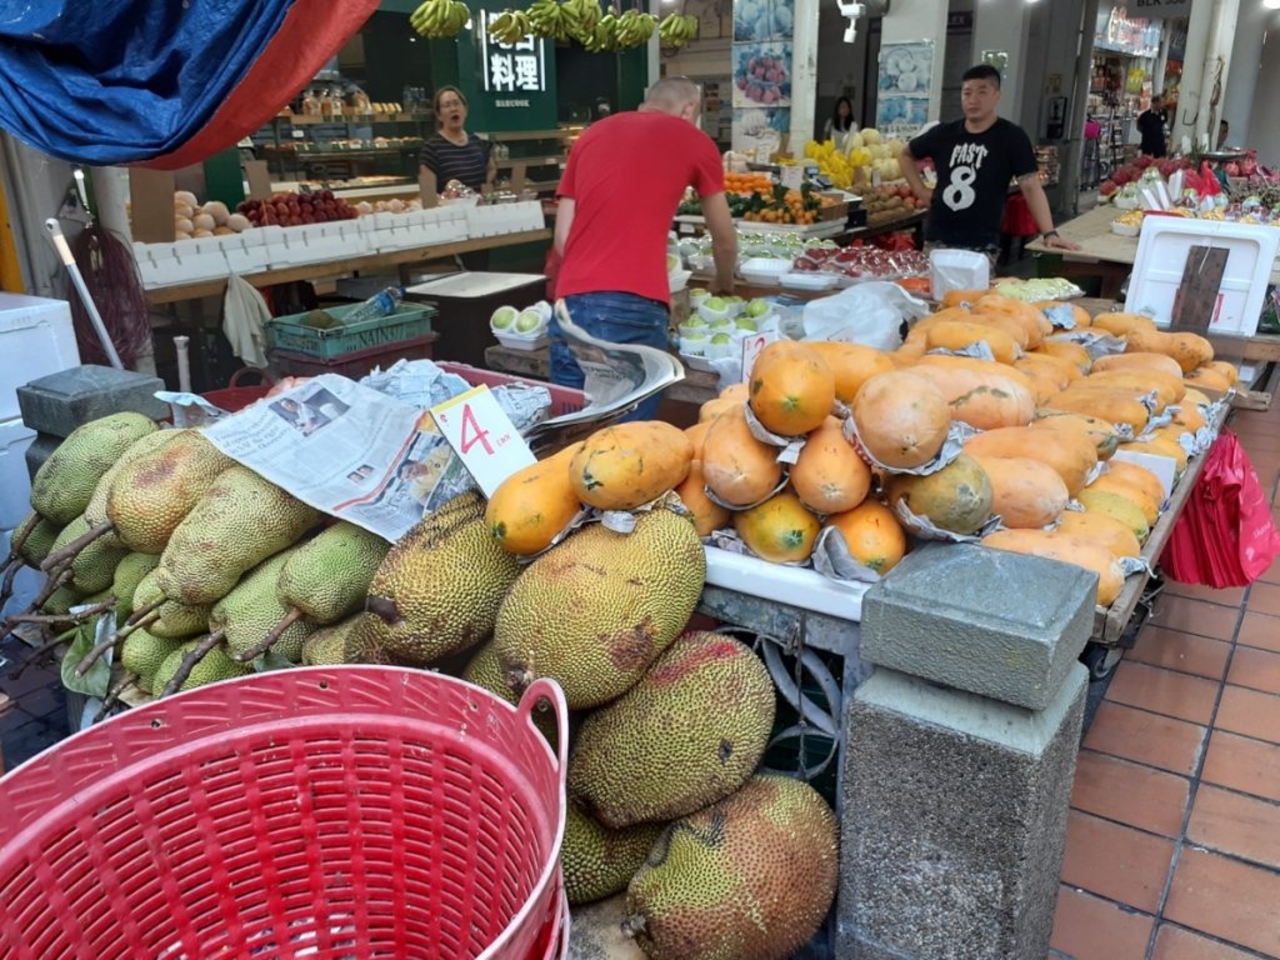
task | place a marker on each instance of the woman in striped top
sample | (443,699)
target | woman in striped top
(451,153)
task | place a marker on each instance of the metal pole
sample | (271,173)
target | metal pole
(1074,143)
(91,308)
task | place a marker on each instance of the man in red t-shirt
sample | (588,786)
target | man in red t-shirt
(624,180)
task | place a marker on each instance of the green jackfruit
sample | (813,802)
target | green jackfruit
(598,608)
(129,573)
(152,494)
(167,618)
(599,862)
(95,512)
(749,878)
(485,671)
(61,601)
(213,666)
(439,588)
(93,568)
(248,612)
(64,483)
(142,653)
(690,733)
(240,521)
(328,577)
(33,538)
(340,643)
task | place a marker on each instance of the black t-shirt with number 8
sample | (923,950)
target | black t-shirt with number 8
(974,172)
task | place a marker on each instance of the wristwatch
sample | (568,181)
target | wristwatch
(1050,233)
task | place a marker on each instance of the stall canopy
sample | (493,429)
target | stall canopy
(159,82)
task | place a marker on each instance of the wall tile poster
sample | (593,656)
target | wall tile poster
(906,80)
(761,58)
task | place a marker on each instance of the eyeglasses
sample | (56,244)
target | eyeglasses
(445,104)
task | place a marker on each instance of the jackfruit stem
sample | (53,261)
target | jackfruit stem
(72,549)
(269,641)
(95,654)
(633,926)
(385,608)
(40,652)
(50,588)
(190,660)
(21,536)
(86,614)
(113,695)
(141,613)
(6,585)
(519,679)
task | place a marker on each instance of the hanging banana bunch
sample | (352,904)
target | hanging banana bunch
(440,19)
(549,20)
(675,30)
(583,16)
(635,28)
(604,38)
(510,27)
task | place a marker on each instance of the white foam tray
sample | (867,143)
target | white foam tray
(795,586)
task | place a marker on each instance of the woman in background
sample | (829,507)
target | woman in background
(451,153)
(841,124)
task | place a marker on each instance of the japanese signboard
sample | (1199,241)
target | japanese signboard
(513,69)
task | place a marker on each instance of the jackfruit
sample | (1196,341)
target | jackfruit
(240,521)
(216,664)
(598,862)
(64,483)
(439,588)
(246,614)
(688,734)
(328,577)
(485,671)
(128,574)
(33,539)
(167,618)
(142,653)
(152,494)
(340,643)
(748,878)
(95,512)
(598,608)
(597,932)
(93,568)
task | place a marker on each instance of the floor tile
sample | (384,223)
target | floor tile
(32,738)
(1265,598)
(1130,793)
(1249,713)
(1184,652)
(1239,763)
(1175,943)
(1236,824)
(1223,596)
(1273,572)
(1163,691)
(1087,928)
(48,702)
(1260,630)
(1229,900)
(1255,669)
(1146,737)
(1117,862)
(1195,616)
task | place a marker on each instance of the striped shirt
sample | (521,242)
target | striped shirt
(467,164)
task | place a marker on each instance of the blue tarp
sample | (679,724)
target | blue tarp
(102,82)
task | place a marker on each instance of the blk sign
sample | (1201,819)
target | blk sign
(1159,9)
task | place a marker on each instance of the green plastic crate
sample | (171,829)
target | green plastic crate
(289,333)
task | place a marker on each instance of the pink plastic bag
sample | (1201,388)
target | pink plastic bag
(1225,537)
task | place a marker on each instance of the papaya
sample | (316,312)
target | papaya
(716,406)
(707,514)
(1189,417)
(1032,321)
(1072,454)
(1009,325)
(1147,339)
(1049,308)
(1077,355)
(1111,483)
(629,464)
(1118,507)
(697,435)
(1194,396)
(1100,432)
(985,400)
(902,419)
(780,530)
(957,335)
(1163,446)
(829,476)
(1110,404)
(738,468)
(962,298)
(1190,350)
(1067,548)
(1100,528)
(1226,368)
(1139,361)
(852,364)
(1170,389)
(957,498)
(1207,378)
(1123,324)
(873,535)
(1052,370)
(1025,492)
(534,505)
(1139,476)
(792,389)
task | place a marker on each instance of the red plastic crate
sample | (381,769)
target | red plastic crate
(357,363)
(563,399)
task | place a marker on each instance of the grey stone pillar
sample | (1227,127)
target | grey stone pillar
(960,756)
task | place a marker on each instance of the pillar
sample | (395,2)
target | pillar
(1210,34)
(1247,64)
(804,74)
(1001,25)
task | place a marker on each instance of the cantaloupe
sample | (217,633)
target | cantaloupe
(873,535)
(781,529)
(792,389)
(829,476)
(902,419)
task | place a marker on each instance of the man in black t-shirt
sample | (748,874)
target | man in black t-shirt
(1151,127)
(976,159)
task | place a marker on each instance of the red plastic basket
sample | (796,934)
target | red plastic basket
(563,399)
(234,397)
(336,813)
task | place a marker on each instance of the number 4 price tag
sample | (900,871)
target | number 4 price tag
(482,434)
(751,347)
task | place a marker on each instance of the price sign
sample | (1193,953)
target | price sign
(482,434)
(751,347)
(792,177)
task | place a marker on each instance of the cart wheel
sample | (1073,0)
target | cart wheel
(1101,660)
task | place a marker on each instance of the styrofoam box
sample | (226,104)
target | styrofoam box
(15,485)
(36,339)
(25,585)
(798,586)
(1163,249)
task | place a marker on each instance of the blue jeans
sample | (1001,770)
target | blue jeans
(617,318)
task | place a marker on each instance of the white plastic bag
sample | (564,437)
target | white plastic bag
(867,313)
(957,270)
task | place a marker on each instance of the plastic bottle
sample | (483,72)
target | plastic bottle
(381,304)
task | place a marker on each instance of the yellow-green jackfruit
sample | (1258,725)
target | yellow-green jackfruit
(341,643)
(439,588)
(485,671)
(33,538)
(597,861)
(248,612)
(128,574)
(64,483)
(328,577)
(168,619)
(142,653)
(93,568)
(748,878)
(598,608)
(215,665)
(690,733)
(240,521)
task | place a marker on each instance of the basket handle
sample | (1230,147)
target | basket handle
(544,687)
(263,375)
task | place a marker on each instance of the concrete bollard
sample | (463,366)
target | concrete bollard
(955,799)
(62,401)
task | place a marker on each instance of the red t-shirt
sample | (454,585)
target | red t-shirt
(626,175)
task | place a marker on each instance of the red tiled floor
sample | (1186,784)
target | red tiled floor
(1194,616)
(1273,572)
(1260,630)
(1130,793)
(1265,598)
(1116,862)
(1146,737)
(1238,763)
(1229,900)
(1225,596)
(1249,713)
(1174,943)
(1163,691)
(1087,928)
(1236,824)
(1184,652)
(1255,669)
